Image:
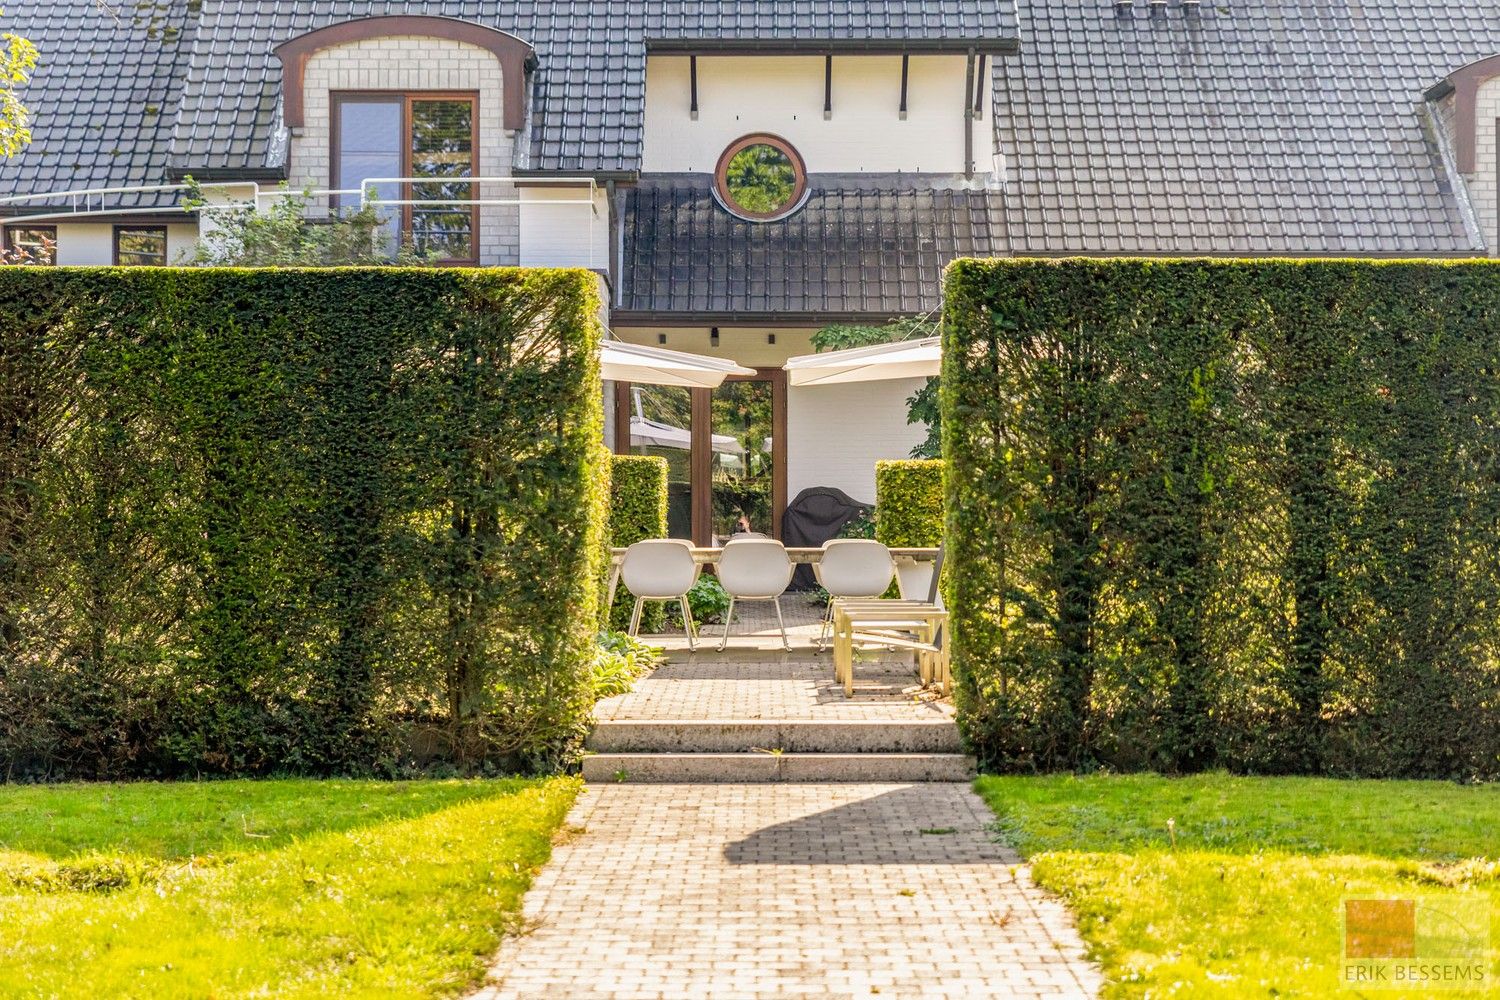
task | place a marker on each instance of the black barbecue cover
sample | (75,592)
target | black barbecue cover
(818,514)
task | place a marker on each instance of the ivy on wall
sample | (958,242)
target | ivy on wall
(318,521)
(1226,513)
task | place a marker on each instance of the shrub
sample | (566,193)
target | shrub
(708,601)
(620,661)
(308,521)
(1238,513)
(909,503)
(637,511)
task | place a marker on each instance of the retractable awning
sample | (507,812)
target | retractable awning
(903,359)
(622,362)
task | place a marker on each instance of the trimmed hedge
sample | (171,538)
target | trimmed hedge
(1226,513)
(637,511)
(296,521)
(909,503)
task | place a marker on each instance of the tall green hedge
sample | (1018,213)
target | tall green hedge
(909,503)
(637,511)
(314,521)
(1226,513)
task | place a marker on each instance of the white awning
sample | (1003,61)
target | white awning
(903,359)
(622,362)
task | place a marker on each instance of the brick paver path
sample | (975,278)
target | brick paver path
(773,685)
(745,892)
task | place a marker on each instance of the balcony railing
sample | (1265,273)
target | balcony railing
(549,221)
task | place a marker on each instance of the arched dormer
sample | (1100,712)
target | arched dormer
(514,55)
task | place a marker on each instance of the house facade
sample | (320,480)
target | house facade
(741,175)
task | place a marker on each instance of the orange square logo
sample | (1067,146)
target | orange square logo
(1380,928)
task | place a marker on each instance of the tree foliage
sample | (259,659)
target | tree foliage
(18,58)
(281,233)
(1235,514)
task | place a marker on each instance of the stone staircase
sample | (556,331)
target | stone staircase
(764,716)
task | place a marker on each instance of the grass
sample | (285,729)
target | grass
(1219,886)
(274,888)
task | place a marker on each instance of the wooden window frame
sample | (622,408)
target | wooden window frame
(701,458)
(9,241)
(799,169)
(405,98)
(121,227)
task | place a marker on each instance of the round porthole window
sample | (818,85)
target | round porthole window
(761,177)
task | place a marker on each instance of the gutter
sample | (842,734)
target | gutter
(823,46)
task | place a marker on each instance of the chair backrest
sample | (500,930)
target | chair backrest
(855,567)
(659,568)
(755,567)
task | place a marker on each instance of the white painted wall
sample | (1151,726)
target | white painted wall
(784,95)
(93,243)
(410,64)
(557,233)
(838,432)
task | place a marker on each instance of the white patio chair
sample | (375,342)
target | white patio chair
(852,567)
(754,569)
(661,569)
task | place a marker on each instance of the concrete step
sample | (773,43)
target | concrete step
(754,768)
(729,736)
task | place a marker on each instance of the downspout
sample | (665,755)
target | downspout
(614,242)
(969,118)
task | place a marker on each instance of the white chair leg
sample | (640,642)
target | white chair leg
(635,615)
(687,623)
(785,643)
(827,621)
(728,621)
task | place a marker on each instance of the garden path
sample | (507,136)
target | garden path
(765,891)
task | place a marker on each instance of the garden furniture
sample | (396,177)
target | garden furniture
(661,569)
(754,569)
(852,567)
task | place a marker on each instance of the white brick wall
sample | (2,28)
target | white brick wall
(405,63)
(1482,189)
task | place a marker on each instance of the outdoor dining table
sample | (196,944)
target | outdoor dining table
(906,559)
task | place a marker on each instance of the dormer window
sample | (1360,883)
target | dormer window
(385,136)
(761,178)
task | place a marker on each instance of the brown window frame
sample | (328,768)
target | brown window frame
(721,176)
(166,247)
(10,243)
(406,98)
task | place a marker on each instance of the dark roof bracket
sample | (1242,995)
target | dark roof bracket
(905,72)
(827,87)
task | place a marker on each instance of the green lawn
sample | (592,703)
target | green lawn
(1248,902)
(274,888)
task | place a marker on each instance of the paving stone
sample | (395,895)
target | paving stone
(751,891)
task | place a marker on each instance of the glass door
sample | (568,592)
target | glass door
(725,460)
(659,421)
(742,468)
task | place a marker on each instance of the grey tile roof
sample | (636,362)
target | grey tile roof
(1252,127)
(861,244)
(589,86)
(104,95)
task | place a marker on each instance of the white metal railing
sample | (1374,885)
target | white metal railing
(84,203)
